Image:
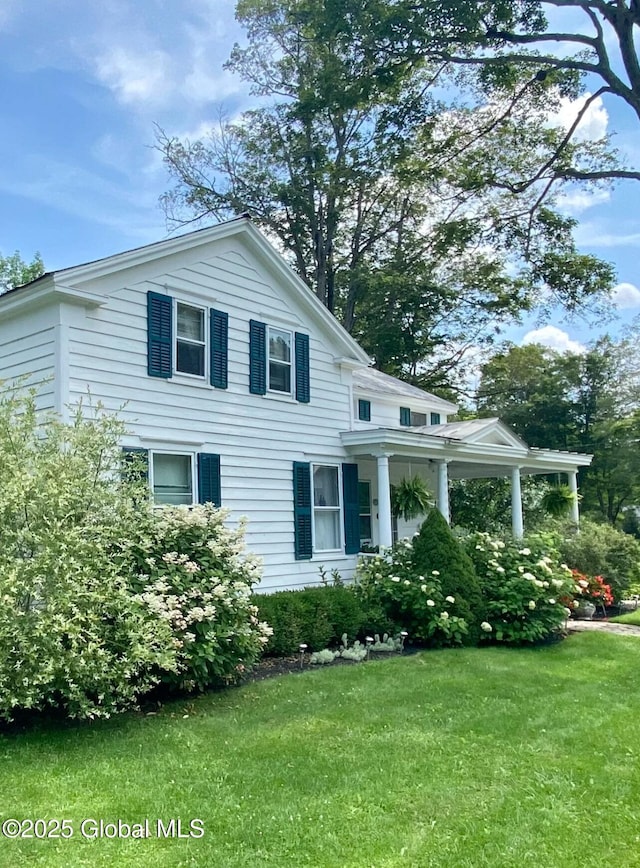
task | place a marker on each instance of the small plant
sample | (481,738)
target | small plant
(356,652)
(321,658)
(410,498)
(558,500)
(387,644)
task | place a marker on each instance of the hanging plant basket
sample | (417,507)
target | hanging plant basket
(558,500)
(410,498)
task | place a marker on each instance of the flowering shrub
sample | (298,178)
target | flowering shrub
(592,589)
(71,634)
(191,573)
(523,585)
(412,601)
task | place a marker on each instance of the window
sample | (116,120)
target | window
(418,419)
(326,508)
(435,418)
(172,478)
(405,416)
(364,508)
(279,360)
(364,410)
(190,340)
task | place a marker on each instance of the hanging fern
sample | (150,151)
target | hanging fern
(558,500)
(410,498)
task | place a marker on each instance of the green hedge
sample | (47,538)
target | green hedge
(317,617)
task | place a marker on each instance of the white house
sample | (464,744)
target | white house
(242,389)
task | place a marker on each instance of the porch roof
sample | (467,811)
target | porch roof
(475,449)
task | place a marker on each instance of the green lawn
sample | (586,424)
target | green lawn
(628,618)
(491,757)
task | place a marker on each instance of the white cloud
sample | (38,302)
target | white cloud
(626,296)
(578,201)
(135,76)
(554,338)
(594,122)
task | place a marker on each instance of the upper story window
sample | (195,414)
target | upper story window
(435,418)
(418,419)
(280,378)
(405,416)
(364,410)
(190,340)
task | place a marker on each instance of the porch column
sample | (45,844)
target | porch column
(385,528)
(443,490)
(517,524)
(573,485)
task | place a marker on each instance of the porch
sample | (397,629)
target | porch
(481,448)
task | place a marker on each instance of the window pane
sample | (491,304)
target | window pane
(325,486)
(327,526)
(418,419)
(279,345)
(280,377)
(190,323)
(172,479)
(365,527)
(364,496)
(190,359)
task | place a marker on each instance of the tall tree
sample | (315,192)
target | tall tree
(14,271)
(595,40)
(382,196)
(577,402)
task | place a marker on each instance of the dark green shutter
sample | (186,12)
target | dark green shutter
(405,416)
(364,410)
(219,326)
(257,358)
(303,544)
(159,335)
(303,391)
(136,463)
(435,418)
(209,478)
(351,504)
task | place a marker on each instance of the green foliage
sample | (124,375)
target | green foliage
(558,500)
(14,271)
(436,548)
(485,504)
(412,601)
(190,570)
(71,633)
(525,588)
(599,549)
(316,617)
(410,498)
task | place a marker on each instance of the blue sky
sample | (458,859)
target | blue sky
(83,84)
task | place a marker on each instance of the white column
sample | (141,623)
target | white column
(443,490)
(573,485)
(517,524)
(385,529)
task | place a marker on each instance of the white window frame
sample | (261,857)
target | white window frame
(194,471)
(292,367)
(204,343)
(337,509)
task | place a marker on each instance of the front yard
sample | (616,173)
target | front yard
(478,757)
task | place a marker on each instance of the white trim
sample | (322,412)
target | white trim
(206,349)
(292,373)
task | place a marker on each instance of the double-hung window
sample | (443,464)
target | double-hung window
(171,478)
(279,349)
(326,508)
(190,340)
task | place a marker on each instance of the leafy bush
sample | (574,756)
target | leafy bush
(412,601)
(316,617)
(71,634)
(600,549)
(436,548)
(192,574)
(524,586)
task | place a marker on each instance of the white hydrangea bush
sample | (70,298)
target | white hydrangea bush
(192,572)
(72,635)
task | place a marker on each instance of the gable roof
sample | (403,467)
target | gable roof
(487,431)
(371,380)
(73,282)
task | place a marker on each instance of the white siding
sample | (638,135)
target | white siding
(257,437)
(28,348)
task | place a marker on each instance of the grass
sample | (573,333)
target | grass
(628,618)
(493,757)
